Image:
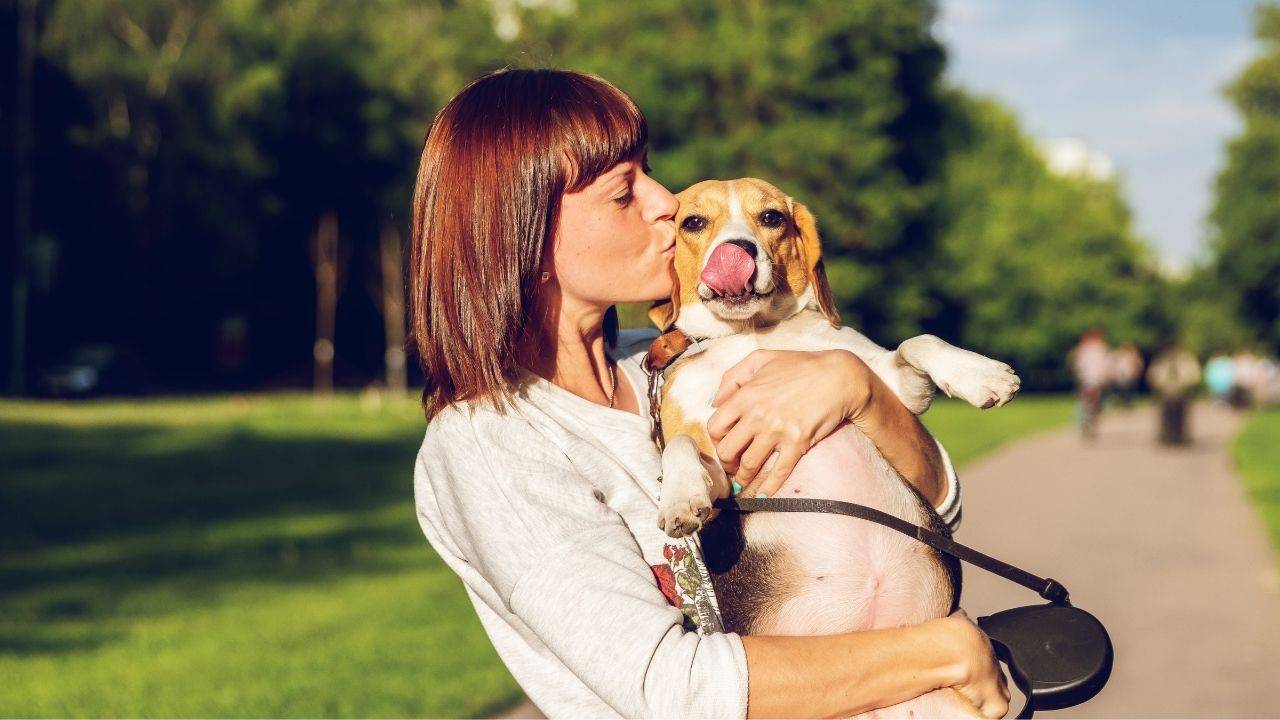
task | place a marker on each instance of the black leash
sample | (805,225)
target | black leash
(1047,588)
(1058,655)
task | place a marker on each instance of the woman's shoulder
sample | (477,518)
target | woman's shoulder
(479,434)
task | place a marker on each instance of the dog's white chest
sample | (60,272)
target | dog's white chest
(695,385)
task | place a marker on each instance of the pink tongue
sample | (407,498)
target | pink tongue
(729,270)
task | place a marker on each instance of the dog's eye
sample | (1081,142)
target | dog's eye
(772,218)
(694,223)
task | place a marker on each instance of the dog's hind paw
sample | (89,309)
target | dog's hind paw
(981,381)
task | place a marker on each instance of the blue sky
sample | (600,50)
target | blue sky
(1139,80)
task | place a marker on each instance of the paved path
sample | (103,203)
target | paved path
(1161,544)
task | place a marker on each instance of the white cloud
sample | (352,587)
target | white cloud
(1074,157)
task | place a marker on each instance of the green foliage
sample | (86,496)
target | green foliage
(1245,266)
(229,127)
(1209,320)
(213,136)
(1030,259)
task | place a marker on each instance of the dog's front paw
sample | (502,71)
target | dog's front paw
(684,504)
(980,381)
(684,517)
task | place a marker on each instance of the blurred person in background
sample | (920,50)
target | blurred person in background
(1090,362)
(1126,369)
(1248,380)
(1219,377)
(1269,393)
(1174,375)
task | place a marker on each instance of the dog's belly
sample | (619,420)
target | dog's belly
(780,573)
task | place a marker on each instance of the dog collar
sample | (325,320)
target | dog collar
(663,351)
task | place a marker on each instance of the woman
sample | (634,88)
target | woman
(537,481)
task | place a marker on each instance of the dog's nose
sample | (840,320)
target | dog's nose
(747,245)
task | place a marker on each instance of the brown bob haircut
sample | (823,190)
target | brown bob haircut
(495,164)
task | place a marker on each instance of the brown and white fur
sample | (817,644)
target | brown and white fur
(802,573)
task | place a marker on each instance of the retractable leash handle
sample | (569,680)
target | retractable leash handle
(1058,655)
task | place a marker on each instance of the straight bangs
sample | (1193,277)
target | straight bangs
(599,127)
(496,163)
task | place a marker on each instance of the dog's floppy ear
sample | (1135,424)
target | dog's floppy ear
(811,256)
(663,313)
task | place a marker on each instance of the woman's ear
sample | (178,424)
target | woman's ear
(811,255)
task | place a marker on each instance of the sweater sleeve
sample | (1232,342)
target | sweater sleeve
(949,508)
(569,568)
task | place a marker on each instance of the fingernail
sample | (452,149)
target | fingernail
(737,488)
(760,495)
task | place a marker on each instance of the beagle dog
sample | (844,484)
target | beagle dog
(749,275)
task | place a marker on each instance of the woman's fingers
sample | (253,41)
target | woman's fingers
(723,419)
(750,463)
(729,449)
(983,683)
(786,461)
(739,374)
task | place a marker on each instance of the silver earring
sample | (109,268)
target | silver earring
(545,276)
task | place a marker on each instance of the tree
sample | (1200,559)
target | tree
(216,135)
(1245,267)
(1029,259)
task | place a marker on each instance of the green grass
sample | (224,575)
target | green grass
(968,433)
(255,556)
(1257,455)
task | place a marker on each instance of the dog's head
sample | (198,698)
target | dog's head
(747,255)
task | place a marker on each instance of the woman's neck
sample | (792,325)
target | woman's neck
(568,350)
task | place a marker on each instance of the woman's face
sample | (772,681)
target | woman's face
(616,239)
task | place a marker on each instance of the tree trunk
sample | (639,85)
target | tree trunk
(324,258)
(22,196)
(393,309)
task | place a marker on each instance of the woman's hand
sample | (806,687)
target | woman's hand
(977,674)
(783,401)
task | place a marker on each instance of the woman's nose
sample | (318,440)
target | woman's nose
(662,205)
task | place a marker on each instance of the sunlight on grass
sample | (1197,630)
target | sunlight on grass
(968,433)
(1257,455)
(231,556)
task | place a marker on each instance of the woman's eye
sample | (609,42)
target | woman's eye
(772,218)
(625,200)
(693,223)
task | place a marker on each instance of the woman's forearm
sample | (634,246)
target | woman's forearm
(902,439)
(845,674)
